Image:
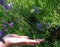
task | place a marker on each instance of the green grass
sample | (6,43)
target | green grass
(49,11)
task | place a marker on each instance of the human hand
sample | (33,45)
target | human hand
(13,39)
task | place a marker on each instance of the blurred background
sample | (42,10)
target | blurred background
(34,18)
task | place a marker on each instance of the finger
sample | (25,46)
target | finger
(24,37)
(23,41)
(14,35)
(33,42)
(28,42)
(17,36)
(40,40)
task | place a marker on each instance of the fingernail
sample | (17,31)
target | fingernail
(40,40)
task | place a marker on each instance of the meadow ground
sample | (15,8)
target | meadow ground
(34,18)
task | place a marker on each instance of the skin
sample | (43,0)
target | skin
(13,39)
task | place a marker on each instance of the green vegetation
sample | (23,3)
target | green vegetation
(26,14)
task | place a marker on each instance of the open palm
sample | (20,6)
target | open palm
(13,39)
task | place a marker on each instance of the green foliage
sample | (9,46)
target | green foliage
(25,19)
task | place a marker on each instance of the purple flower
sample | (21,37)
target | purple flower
(6,7)
(11,24)
(5,4)
(1,33)
(4,25)
(2,2)
(39,26)
(36,10)
(10,5)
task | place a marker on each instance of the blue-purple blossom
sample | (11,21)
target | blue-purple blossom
(4,25)
(39,26)
(10,5)
(36,10)
(1,33)
(6,7)
(2,2)
(5,4)
(11,24)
